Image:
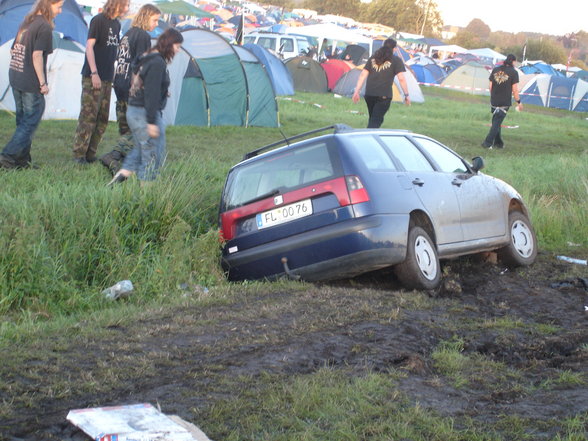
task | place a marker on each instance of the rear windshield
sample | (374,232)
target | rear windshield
(280,173)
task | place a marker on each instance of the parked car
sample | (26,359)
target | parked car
(283,45)
(352,201)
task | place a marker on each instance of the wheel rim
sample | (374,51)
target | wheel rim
(522,238)
(425,257)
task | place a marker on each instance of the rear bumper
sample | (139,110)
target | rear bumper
(341,250)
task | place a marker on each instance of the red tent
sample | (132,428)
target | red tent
(335,69)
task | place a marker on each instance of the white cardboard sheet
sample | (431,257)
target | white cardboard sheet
(134,422)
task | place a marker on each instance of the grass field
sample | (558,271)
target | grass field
(287,360)
(65,236)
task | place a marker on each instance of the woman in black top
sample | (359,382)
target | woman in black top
(135,42)
(27,73)
(147,99)
(380,70)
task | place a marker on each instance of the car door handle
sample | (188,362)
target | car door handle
(457,182)
(418,182)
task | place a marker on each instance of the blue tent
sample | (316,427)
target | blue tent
(429,73)
(556,92)
(541,68)
(279,74)
(70,22)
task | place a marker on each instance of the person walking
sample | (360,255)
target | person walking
(147,98)
(135,42)
(27,74)
(504,84)
(97,75)
(379,71)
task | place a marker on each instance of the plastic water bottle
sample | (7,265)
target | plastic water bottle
(118,290)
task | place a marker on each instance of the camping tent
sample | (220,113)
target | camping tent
(308,75)
(64,68)
(279,74)
(263,108)
(70,22)
(346,86)
(335,69)
(487,55)
(471,77)
(210,86)
(427,73)
(556,92)
(447,49)
(541,68)
(330,31)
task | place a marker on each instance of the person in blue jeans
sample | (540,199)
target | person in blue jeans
(147,98)
(27,74)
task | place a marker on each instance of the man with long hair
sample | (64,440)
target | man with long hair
(134,43)
(379,71)
(27,73)
(97,76)
(504,84)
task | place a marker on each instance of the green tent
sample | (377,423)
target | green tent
(180,7)
(212,86)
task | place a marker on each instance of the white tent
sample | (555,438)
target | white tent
(64,67)
(448,49)
(488,53)
(330,31)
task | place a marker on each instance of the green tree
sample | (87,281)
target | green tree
(346,8)
(479,29)
(547,50)
(414,16)
(467,40)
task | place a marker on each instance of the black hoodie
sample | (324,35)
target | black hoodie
(152,70)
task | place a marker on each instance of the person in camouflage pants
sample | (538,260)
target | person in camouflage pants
(97,76)
(93,119)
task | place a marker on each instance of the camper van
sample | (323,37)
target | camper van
(283,45)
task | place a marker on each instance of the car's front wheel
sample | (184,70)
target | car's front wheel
(420,269)
(522,247)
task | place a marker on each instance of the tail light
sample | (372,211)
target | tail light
(357,192)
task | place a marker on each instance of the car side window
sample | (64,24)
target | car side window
(249,39)
(287,45)
(267,43)
(448,162)
(407,153)
(372,153)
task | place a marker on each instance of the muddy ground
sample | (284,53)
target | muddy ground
(188,358)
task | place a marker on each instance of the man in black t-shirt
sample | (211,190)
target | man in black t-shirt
(97,76)
(379,71)
(27,73)
(504,82)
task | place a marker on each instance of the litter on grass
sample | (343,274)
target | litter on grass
(573,260)
(133,422)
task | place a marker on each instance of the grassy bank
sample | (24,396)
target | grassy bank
(64,236)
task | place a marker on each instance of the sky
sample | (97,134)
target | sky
(555,17)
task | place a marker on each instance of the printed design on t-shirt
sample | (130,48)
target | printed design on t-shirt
(124,54)
(380,67)
(500,77)
(17,53)
(112,38)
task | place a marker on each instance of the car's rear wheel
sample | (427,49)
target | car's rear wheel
(522,247)
(420,269)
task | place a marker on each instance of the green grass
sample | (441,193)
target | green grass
(64,236)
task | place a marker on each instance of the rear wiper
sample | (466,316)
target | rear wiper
(273,192)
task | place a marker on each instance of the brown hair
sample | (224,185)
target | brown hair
(141,19)
(113,7)
(165,43)
(40,7)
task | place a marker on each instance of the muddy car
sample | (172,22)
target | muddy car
(352,201)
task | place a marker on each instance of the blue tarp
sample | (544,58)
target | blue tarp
(70,22)
(279,74)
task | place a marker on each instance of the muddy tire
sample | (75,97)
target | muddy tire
(522,247)
(421,269)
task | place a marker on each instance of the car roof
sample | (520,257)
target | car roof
(338,130)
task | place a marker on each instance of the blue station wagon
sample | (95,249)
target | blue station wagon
(357,200)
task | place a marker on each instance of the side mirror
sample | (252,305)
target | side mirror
(477,164)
